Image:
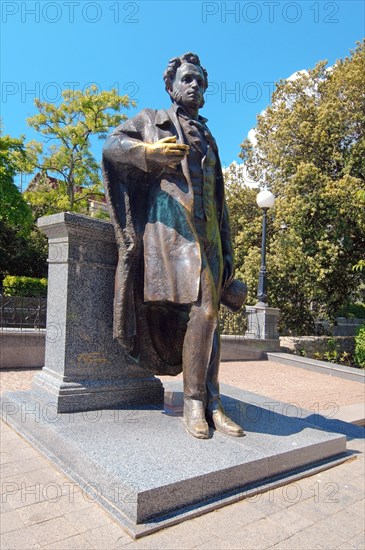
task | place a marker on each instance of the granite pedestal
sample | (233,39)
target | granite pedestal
(85,369)
(148,472)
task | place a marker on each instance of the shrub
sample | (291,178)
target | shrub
(360,346)
(24,286)
(233,323)
(356,310)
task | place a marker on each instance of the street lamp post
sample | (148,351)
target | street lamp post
(265,200)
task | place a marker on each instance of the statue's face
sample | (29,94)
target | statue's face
(188,86)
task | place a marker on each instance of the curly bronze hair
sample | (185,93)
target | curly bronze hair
(175,63)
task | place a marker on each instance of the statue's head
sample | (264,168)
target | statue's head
(186,81)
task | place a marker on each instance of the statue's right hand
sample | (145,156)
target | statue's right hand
(166,151)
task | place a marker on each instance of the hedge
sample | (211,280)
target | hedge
(24,286)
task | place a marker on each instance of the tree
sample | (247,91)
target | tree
(245,223)
(310,152)
(67,130)
(14,210)
(20,254)
(361,263)
(22,247)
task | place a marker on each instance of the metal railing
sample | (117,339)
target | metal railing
(233,323)
(30,313)
(23,312)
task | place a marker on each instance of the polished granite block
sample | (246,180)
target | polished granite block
(85,368)
(148,472)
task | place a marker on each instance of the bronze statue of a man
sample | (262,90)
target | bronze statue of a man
(165,191)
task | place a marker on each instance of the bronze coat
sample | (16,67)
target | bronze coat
(159,263)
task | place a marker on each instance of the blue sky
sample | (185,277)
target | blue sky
(246,46)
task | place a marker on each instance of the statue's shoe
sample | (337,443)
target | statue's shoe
(194,419)
(222,423)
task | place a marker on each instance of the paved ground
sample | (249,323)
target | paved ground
(310,390)
(42,508)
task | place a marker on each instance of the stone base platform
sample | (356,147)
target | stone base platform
(239,348)
(148,472)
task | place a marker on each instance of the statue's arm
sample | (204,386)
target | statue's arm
(227,247)
(127,146)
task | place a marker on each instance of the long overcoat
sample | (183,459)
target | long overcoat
(158,272)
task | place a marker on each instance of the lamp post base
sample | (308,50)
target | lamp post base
(262,322)
(261,304)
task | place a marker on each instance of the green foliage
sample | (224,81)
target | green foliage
(334,353)
(69,127)
(245,222)
(67,130)
(310,152)
(14,210)
(22,255)
(356,310)
(24,286)
(232,323)
(360,266)
(360,346)
(101,215)
(22,248)
(335,356)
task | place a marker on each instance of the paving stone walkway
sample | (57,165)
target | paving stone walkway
(42,508)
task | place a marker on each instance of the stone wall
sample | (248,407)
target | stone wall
(341,327)
(22,349)
(309,345)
